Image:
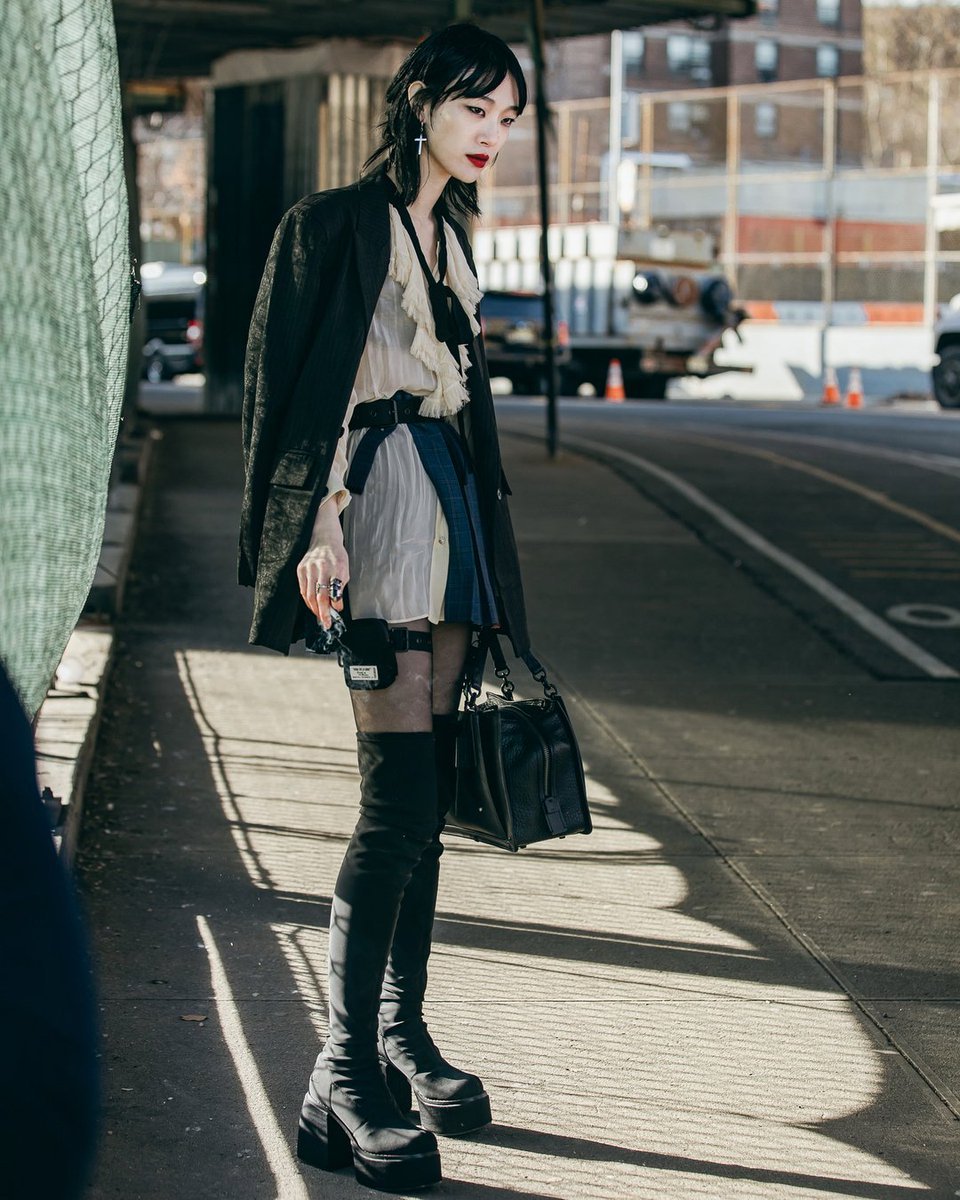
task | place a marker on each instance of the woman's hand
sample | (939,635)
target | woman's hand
(324,560)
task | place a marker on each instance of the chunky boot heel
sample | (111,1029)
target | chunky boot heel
(398,1085)
(321,1140)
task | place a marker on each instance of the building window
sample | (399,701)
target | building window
(828,12)
(678,52)
(828,61)
(767,60)
(687,55)
(768,11)
(634,48)
(678,116)
(765,120)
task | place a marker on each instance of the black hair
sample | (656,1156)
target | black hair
(460,60)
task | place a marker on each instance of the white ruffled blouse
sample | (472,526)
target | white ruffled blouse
(395,531)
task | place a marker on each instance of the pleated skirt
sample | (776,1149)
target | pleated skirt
(412,529)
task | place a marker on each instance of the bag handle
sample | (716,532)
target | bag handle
(488,641)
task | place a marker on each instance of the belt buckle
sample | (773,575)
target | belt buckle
(393,416)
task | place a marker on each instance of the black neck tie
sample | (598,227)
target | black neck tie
(451,322)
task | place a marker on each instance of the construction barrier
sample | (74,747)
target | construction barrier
(831,389)
(615,391)
(855,389)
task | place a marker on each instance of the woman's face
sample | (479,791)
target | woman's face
(466,133)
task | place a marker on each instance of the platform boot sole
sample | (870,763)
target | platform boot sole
(323,1142)
(449,1118)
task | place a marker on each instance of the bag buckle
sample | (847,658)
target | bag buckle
(554,815)
(506,683)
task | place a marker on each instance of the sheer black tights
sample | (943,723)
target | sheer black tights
(425,684)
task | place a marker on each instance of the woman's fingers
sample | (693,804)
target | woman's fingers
(323,607)
(302,583)
(314,574)
(313,603)
(307,577)
(339,570)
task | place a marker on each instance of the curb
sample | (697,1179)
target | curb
(66,730)
(123,511)
(66,727)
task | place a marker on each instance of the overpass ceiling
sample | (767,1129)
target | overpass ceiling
(161,39)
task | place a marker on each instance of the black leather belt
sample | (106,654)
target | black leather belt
(399,409)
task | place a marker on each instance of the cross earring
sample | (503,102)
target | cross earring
(421,139)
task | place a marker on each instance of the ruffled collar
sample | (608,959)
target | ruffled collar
(450,393)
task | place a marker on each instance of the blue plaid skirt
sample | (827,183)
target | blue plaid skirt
(468,595)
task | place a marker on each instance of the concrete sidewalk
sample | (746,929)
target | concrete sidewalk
(651,1011)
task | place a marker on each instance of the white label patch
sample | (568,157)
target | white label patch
(370,673)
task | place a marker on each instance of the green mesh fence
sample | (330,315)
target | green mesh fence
(64,308)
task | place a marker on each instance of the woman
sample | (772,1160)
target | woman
(372,461)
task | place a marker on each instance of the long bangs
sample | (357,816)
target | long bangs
(480,78)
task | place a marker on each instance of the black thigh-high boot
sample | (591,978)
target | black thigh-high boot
(450,1101)
(348,1111)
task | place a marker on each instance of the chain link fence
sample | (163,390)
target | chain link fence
(64,311)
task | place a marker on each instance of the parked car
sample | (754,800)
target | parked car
(512,324)
(946,371)
(173,299)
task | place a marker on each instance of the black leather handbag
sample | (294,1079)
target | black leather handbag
(519,776)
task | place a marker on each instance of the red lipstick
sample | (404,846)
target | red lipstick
(479,160)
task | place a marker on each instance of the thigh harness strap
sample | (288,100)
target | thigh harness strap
(411,639)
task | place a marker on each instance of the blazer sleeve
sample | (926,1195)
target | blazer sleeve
(284,314)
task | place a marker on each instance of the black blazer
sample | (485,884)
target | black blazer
(320,285)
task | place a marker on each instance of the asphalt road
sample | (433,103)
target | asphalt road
(745,983)
(851,518)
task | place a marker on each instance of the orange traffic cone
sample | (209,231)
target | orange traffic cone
(855,389)
(615,392)
(831,389)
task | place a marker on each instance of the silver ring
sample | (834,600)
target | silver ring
(323,587)
(336,589)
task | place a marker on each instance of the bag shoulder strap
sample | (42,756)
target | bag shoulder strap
(473,671)
(488,641)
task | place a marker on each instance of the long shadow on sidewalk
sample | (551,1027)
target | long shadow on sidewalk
(649,1030)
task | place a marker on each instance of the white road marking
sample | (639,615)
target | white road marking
(941,464)
(876,626)
(932,616)
(879,498)
(289,1184)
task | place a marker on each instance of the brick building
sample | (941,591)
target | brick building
(786,40)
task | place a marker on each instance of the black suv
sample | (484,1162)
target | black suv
(512,324)
(173,298)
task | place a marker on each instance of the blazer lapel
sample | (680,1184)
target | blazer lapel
(372,241)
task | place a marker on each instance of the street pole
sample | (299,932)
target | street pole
(931,240)
(829,276)
(616,127)
(543,127)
